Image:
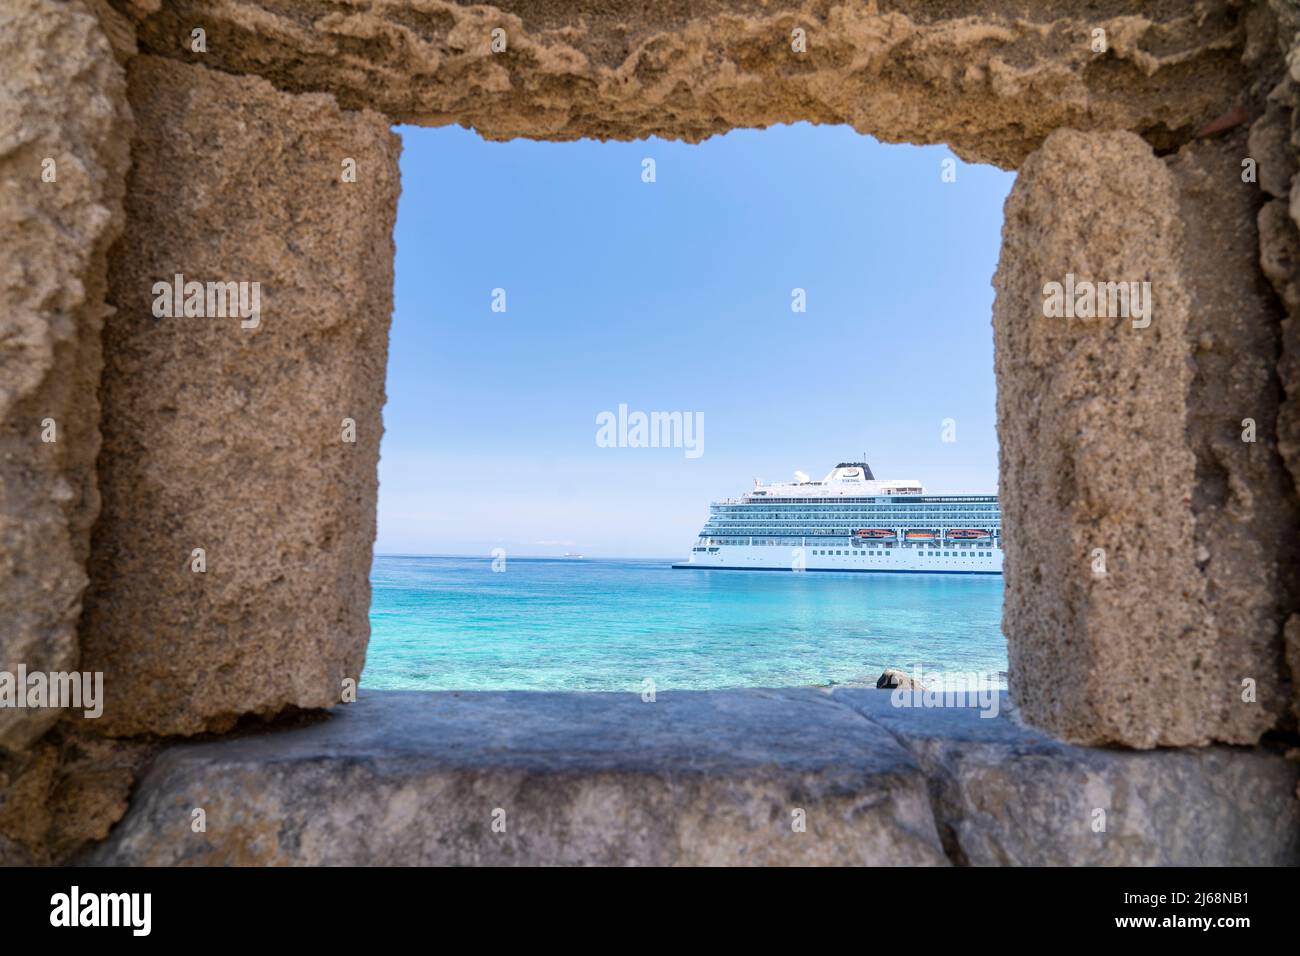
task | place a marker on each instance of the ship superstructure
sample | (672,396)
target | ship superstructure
(851,521)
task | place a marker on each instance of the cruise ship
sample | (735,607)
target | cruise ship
(851,521)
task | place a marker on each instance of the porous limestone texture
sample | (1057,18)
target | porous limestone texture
(1273,52)
(230,434)
(777,777)
(1007,795)
(64,142)
(64,791)
(1247,525)
(696,777)
(1145,540)
(1151,590)
(990,79)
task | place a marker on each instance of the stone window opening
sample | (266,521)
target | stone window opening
(1148,471)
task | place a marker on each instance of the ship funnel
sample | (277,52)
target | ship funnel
(801,477)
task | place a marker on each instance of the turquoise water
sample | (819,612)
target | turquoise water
(441,623)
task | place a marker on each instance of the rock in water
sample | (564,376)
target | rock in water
(893,677)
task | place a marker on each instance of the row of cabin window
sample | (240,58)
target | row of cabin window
(932,554)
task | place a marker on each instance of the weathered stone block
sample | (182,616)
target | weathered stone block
(1247,534)
(64,138)
(697,777)
(1143,536)
(65,791)
(1007,795)
(1274,144)
(225,432)
(404,778)
(989,79)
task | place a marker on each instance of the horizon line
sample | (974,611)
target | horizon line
(544,557)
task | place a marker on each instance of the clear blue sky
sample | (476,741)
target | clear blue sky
(676,296)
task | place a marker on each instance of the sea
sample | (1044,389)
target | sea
(455,623)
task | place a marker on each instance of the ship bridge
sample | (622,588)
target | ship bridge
(850,479)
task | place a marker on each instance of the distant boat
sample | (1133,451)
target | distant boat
(572,556)
(851,521)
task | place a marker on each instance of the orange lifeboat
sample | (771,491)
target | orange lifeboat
(920,535)
(966,534)
(874,534)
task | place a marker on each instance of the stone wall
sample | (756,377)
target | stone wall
(1150,518)
(64,134)
(65,131)
(1247,547)
(990,80)
(790,777)
(1274,53)
(232,438)
(1093,464)
(230,433)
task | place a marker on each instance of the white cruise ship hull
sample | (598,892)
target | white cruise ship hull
(842,557)
(851,521)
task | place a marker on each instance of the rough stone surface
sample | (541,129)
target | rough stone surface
(1280,261)
(62,98)
(694,778)
(410,778)
(1273,56)
(26,780)
(63,792)
(1247,529)
(1291,635)
(1095,464)
(1269,144)
(989,79)
(1122,440)
(1134,438)
(1007,795)
(231,439)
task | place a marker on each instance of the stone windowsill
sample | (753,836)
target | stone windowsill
(705,777)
